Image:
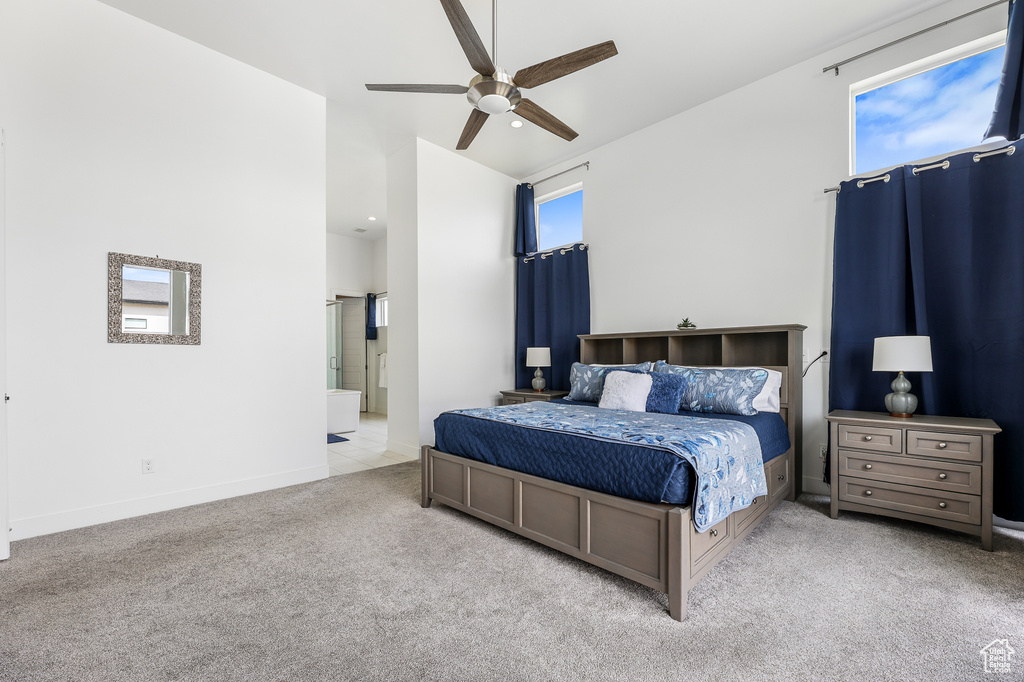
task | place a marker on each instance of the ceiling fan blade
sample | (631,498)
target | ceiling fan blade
(538,74)
(537,116)
(473,126)
(440,89)
(468,38)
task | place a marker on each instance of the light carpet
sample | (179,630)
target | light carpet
(349,579)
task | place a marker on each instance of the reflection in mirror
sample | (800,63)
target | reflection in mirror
(152,300)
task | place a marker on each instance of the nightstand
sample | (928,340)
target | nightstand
(528,395)
(935,470)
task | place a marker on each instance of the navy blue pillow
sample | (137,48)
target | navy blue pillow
(666,392)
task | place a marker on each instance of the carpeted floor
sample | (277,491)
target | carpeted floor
(349,579)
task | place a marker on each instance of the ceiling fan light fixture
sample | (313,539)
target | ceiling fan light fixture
(493,94)
(493,104)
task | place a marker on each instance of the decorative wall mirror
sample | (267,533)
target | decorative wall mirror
(152,300)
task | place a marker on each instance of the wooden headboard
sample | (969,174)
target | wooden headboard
(778,347)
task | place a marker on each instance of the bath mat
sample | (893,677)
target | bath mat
(331,438)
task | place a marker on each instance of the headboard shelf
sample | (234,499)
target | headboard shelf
(777,347)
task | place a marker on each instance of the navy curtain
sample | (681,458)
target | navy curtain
(526,221)
(1006,118)
(946,260)
(371,317)
(552,308)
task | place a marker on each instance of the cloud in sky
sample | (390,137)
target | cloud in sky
(933,113)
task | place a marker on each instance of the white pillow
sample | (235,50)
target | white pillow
(626,391)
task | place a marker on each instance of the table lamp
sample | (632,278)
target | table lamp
(538,357)
(902,354)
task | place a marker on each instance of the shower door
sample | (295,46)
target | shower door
(334,345)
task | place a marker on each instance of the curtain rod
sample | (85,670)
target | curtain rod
(944,164)
(563,250)
(912,35)
(552,177)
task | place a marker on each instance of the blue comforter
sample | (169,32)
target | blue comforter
(725,454)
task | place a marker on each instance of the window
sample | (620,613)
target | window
(382,311)
(560,218)
(930,108)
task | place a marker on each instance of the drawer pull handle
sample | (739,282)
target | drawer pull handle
(868,493)
(867,437)
(714,532)
(756,500)
(782,477)
(942,505)
(867,466)
(942,446)
(942,477)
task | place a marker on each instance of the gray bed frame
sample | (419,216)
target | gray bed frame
(653,544)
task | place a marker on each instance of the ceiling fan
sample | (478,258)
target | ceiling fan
(492,91)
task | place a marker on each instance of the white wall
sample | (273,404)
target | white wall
(380,264)
(718,214)
(350,266)
(125,137)
(403,299)
(453,218)
(466,284)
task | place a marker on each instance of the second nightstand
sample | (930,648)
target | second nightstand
(935,470)
(528,395)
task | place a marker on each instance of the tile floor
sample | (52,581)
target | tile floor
(366,447)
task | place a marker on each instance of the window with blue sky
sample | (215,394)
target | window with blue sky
(560,220)
(936,112)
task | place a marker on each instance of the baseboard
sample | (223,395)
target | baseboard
(403,449)
(815,486)
(104,513)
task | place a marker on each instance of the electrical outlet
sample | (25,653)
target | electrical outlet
(823,451)
(824,360)
(148,466)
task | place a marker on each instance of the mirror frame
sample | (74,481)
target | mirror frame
(115,262)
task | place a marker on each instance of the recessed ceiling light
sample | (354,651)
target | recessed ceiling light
(372,218)
(516,124)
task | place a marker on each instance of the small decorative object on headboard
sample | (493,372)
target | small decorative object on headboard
(686,324)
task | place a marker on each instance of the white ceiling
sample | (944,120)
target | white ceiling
(673,55)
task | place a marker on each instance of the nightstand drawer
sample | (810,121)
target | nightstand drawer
(513,400)
(944,445)
(905,498)
(960,478)
(875,438)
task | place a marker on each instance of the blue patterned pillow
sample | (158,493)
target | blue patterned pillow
(666,392)
(725,391)
(587,381)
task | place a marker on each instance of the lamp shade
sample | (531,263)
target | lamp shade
(902,354)
(538,357)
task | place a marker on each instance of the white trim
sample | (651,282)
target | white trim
(345,292)
(90,516)
(955,54)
